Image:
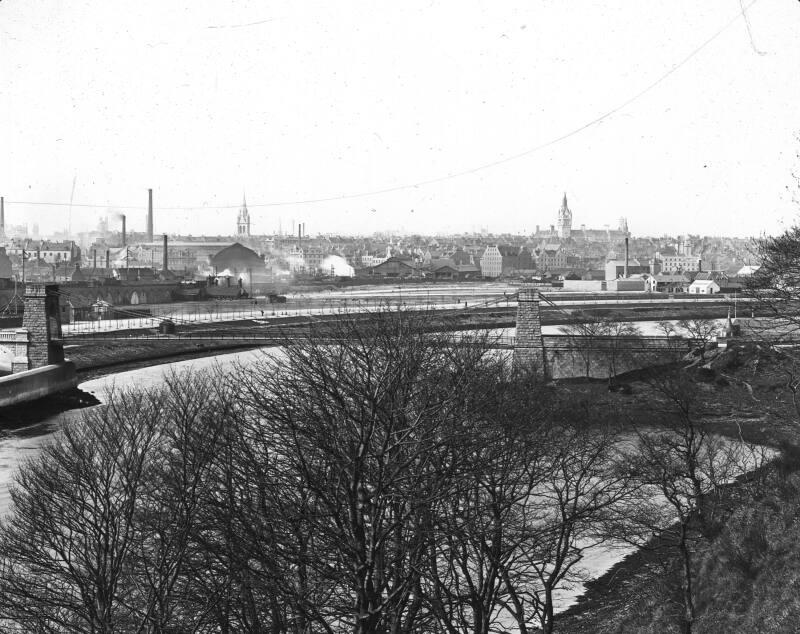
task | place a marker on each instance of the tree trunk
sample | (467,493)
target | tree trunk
(688,599)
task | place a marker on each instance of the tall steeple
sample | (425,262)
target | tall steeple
(564,219)
(243,222)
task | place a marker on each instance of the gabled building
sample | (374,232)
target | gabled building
(50,252)
(672,283)
(239,262)
(552,257)
(703,287)
(394,268)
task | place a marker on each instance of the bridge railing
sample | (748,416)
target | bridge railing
(7,335)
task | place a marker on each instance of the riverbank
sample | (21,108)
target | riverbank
(742,417)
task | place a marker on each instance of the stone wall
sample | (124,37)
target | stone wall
(119,294)
(565,356)
(33,384)
(529,348)
(604,357)
(42,321)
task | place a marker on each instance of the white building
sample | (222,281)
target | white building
(748,269)
(673,261)
(704,287)
(491,262)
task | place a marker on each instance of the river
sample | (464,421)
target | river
(24,442)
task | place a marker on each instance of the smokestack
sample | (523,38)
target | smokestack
(626,258)
(699,266)
(299,234)
(149,215)
(108,259)
(123,230)
(165,262)
(94,259)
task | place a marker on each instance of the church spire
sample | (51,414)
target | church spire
(564,219)
(243,222)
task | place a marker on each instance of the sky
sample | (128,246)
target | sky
(430,117)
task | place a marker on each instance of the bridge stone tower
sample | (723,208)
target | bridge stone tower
(529,345)
(42,320)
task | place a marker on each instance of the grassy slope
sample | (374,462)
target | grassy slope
(748,575)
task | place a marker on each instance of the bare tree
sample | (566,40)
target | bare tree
(480,529)
(773,287)
(701,331)
(623,341)
(603,340)
(69,542)
(584,335)
(565,516)
(682,468)
(195,409)
(362,423)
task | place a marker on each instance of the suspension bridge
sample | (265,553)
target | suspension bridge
(577,350)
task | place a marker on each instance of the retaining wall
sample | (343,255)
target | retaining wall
(602,357)
(33,384)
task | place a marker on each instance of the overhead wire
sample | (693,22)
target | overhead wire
(458,174)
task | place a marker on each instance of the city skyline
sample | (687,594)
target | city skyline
(680,118)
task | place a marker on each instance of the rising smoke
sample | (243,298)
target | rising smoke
(338,265)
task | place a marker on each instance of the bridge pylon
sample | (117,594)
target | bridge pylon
(42,320)
(529,352)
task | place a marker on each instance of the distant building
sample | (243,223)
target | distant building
(6,269)
(564,220)
(313,258)
(681,259)
(492,262)
(747,269)
(564,230)
(243,222)
(239,262)
(552,257)
(671,283)
(616,268)
(703,287)
(50,252)
(393,268)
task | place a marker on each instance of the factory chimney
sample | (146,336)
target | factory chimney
(94,259)
(123,230)
(149,215)
(165,259)
(108,259)
(626,258)
(299,234)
